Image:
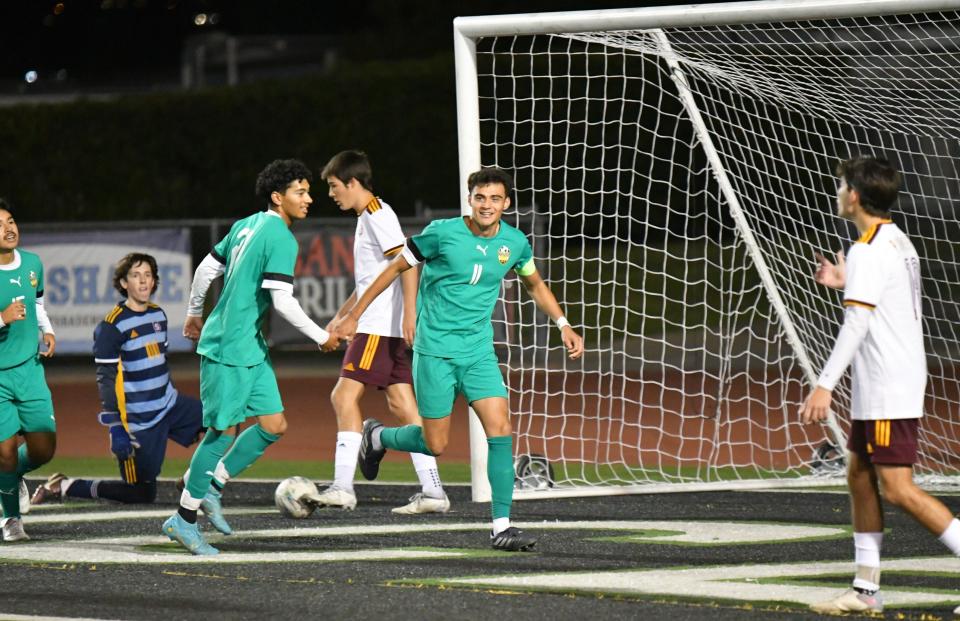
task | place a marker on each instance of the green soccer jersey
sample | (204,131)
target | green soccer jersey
(259,254)
(21,280)
(460,284)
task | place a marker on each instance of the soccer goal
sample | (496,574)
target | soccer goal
(675,172)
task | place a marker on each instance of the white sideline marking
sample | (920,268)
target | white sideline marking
(729,582)
(6,616)
(129,549)
(132,554)
(692,532)
(109,516)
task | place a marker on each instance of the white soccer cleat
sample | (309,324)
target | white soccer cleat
(334,497)
(24,498)
(13,530)
(419,503)
(850,601)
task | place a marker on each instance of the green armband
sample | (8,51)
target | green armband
(528,268)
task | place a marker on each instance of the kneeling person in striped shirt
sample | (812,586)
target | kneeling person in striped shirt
(140,406)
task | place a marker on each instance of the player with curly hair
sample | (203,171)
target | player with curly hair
(257,259)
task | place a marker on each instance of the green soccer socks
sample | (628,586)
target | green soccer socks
(249,446)
(24,465)
(10,494)
(408,438)
(500,474)
(204,462)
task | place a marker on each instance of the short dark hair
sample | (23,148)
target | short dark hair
(875,180)
(348,165)
(5,205)
(491,174)
(127,263)
(278,175)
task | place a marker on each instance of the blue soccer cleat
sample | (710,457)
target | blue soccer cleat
(187,535)
(214,511)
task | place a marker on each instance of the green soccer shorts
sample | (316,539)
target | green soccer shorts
(232,394)
(25,402)
(437,381)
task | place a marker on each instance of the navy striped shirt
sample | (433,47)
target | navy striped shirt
(134,344)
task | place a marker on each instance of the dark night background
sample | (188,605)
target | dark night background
(111,129)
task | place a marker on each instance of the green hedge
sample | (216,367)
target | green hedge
(197,154)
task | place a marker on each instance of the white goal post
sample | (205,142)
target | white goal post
(674,169)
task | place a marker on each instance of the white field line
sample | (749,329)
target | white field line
(130,548)
(6,616)
(729,582)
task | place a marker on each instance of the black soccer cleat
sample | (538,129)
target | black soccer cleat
(513,540)
(370,457)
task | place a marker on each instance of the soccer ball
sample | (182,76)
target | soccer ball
(290,494)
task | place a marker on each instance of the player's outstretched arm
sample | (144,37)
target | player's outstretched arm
(289,308)
(409,280)
(208,271)
(856,323)
(829,274)
(547,302)
(344,308)
(346,326)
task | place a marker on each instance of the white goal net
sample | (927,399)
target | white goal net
(675,174)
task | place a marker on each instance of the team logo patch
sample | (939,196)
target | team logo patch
(503,255)
(156,326)
(33,279)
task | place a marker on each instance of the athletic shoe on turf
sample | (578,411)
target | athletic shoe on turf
(187,535)
(334,496)
(51,491)
(369,457)
(419,503)
(213,509)
(512,540)
(24,498)
(13,530)
(850,600)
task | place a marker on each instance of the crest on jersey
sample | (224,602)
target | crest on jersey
(33,279)
(156,326)
(503,255)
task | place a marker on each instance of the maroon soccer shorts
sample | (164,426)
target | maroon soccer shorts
(377,360)
(885,442)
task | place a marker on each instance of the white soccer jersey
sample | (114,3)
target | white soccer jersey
(890,366)
(378,239)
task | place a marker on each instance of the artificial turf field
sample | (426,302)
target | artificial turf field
(711,555)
